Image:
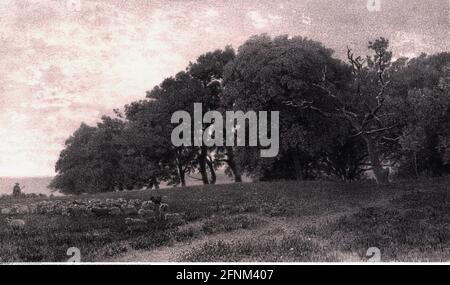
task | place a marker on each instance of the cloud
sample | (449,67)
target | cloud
(408,44)
(258,21)
(62,66)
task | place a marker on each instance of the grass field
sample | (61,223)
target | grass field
(278,221)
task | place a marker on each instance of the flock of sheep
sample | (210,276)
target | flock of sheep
(135,211)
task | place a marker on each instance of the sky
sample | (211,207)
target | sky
(64,62)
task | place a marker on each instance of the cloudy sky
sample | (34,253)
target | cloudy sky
(67,61)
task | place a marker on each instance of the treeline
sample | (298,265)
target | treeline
(338,119)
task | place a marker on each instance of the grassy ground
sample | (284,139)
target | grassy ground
(279,221)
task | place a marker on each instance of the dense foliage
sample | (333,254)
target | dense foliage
(368,116)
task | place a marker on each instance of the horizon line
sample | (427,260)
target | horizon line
(38,176)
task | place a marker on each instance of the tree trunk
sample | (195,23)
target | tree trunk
(183,179)
(416,170)
(155,182)
(233,165)
(181,173)
(202,164)
(297,165)
(212,170)
(381,175)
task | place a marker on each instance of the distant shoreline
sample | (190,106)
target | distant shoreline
(36,184)
(24,177)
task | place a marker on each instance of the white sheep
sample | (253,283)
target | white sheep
(129,221)
(175,219)
(148,205)
(22,209)
(163,208)
(143,212)
(6,211)
(15,223)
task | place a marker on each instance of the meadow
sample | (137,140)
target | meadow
(266,221)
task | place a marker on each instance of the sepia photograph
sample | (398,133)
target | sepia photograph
(224,132)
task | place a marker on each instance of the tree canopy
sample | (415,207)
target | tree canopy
(368,115)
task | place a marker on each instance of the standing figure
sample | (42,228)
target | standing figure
(16,190)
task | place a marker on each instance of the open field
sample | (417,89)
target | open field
(278,221)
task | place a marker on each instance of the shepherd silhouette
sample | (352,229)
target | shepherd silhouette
(17,191)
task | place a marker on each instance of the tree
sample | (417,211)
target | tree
(179,93)
(425,136)
(363,104)
(209,69)
(114,155)
(201,83)
(90,161)
(419,101)
(268,72)
(148,137)
(72,176)
(346,160)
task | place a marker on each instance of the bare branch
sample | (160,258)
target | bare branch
(391,139)
(356,135)
(308,105)
(371,132)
